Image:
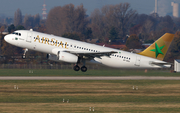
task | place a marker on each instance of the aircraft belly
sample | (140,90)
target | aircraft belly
(117,63)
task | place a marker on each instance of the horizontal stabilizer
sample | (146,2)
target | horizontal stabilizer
(162,64)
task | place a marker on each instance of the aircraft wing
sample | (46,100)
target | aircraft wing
(86,54)
(92,54)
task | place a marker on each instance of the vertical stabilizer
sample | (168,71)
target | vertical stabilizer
(159,48)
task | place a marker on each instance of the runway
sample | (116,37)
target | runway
(88,78)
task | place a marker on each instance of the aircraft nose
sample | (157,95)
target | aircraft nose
(6,38)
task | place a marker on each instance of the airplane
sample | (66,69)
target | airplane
(62,49)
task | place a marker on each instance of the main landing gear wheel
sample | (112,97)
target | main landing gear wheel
(76,68)
(83,68)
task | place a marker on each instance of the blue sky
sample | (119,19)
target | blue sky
(8,7)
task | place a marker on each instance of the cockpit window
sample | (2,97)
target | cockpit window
(16,33)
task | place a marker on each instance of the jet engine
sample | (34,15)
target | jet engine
(63,56)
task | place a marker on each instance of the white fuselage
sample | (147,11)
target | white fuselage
(50,44)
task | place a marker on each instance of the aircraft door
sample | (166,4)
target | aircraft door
(138,60)
(29,37)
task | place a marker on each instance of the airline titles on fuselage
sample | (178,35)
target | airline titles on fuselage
(52,42)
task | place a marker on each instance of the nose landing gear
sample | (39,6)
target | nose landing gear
(24,55)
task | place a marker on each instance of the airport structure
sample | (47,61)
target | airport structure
(44,12)
(175,9)
(156,7)
(177,65)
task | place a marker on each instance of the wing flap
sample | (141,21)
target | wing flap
(92,54)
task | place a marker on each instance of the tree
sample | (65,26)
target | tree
(74,36)
(9,50)
(11,28)
(65,19)
(31,21)
(113,34)
(28,21)
(88,33)
(97,25)
(133,42)
(20,27)
(119,16)
(175,47)
(36,20)
(17,17)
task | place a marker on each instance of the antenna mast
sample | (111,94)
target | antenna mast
(44,11)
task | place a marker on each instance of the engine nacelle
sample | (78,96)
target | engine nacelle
(63,56)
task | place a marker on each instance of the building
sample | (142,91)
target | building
(177,65)
(175,9)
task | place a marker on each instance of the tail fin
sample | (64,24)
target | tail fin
(159,48)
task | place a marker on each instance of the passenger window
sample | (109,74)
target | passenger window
(19,34)
(16,33)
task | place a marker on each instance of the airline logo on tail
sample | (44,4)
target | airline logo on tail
(159,48)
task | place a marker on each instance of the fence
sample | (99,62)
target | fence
(60,66)
(45,66)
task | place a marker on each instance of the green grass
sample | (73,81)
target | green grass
(105,96)
(66,72)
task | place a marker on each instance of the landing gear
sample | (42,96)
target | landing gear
(77,68)
(24,55)
(83,68)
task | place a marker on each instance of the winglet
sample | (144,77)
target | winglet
(159,48)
